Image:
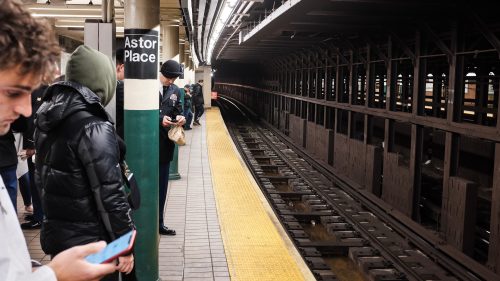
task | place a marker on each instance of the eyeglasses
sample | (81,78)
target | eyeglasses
(14,91)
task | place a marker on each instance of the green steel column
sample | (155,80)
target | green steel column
(141,117)
(174,165)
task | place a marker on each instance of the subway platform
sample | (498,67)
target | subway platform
(225,228)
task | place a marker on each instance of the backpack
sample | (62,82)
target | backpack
(76,121)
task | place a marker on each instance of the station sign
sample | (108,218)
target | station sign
(141,53)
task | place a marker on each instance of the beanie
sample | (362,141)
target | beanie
(171,69)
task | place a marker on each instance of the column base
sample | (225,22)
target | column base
(174,176)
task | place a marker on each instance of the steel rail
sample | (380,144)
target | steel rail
(420,242)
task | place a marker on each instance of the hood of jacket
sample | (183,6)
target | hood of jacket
(93,70)
(63,99)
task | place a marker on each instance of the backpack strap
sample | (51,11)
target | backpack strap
(81,118)
(74,123)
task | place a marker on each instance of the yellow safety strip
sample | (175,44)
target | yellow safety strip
(252,243)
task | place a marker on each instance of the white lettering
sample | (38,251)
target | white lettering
(135,50)
(138,57)
(128,53)
(144,57)
(127,43)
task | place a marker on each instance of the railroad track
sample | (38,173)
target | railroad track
(337,235)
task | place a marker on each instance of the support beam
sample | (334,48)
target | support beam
(403,45)
(417,134)
(439,43)
(377,50)
(494,250)
(487,33)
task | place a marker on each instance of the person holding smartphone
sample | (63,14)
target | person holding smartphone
(21,70)
(170,115)
(77,163)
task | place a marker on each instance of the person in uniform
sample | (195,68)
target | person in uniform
(170,115)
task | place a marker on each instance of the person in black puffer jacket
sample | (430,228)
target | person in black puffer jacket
(77,162)
(198,102)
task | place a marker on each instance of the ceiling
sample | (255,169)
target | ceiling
(69,17)
(258,30)
(279,29)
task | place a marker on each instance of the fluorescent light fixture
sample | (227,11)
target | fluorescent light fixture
(36,15)
(228,8)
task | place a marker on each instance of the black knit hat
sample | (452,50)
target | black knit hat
(171,69)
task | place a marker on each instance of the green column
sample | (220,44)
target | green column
(174,165)
(141,116)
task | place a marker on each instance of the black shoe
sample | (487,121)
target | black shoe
(166,231)
(188,128)
(31,225)
(196,123)
(29,217)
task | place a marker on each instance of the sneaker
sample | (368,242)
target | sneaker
(31,225)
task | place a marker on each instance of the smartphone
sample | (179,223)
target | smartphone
(113,250)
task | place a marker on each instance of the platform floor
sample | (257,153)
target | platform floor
(225,228)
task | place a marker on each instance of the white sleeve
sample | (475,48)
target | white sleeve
(43,273)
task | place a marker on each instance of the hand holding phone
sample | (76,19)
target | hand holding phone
(120,247)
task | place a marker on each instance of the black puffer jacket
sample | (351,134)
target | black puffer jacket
(67,157)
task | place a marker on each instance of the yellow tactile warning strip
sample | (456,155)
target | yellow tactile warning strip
(254,248)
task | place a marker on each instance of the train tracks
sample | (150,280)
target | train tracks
(337,235)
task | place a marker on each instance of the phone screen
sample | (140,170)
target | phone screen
(114,249)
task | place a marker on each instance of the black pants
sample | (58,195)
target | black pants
(198,112)
(35,196)
(164,174)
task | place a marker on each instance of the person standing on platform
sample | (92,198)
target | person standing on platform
(28,49)
(187,107)
(120,76)
(34,221)
(170,115)
(198,102)
(22,174)
(77,163)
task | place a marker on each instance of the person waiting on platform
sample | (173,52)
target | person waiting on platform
(187,107)
(120,76)
(170,115)
(198,102)
(28,49)
(77,163)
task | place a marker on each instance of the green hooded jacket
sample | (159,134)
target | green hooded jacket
(94,70)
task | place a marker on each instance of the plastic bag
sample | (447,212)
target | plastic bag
(176,134)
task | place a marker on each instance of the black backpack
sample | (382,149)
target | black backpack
(76,121)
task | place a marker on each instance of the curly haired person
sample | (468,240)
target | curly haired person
(28,52)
